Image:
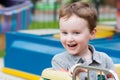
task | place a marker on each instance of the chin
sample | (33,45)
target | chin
(72,53)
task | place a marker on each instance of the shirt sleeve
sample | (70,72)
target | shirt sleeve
(58,63)
(109,64)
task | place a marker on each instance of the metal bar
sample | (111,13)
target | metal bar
(88,75)
(94,68)
(100,75)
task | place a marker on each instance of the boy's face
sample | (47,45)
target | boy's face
(75,35)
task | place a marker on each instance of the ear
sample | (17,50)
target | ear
(93,33)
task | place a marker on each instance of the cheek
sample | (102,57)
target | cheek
(82,39)
(62,39)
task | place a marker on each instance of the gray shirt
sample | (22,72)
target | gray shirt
(66,61)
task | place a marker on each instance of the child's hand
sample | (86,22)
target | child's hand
(70,72)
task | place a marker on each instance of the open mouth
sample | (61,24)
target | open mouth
(72,45)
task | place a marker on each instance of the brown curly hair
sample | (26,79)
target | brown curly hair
(82,10)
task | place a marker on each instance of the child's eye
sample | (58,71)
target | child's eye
(64,32)
(76,32)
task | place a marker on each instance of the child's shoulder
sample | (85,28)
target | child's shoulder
(60,58)
(60,55)
(98,54)
(102,55)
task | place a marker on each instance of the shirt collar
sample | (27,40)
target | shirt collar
(95,56)
(76,59)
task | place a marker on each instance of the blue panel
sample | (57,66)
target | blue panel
(24,19)
(9,11)
(27,61)
(0,24)
(13,23)
(0,28)
(110,45)
(33,53)
(35,47)
(30,53)
(116,60)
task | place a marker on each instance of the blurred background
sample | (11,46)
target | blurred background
(40,16)
(43,14)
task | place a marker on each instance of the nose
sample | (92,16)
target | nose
(70,38)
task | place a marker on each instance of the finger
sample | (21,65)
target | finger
(83,70)
(70,73)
